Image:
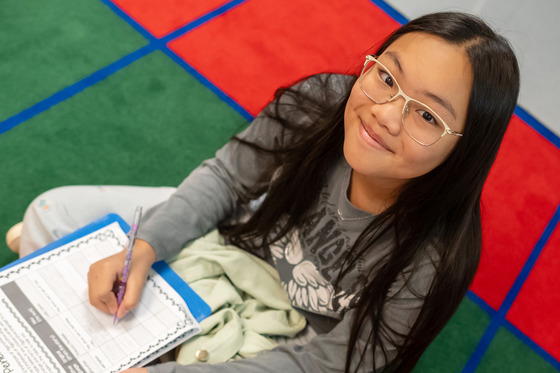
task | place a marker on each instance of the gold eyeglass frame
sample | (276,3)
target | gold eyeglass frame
(446,130)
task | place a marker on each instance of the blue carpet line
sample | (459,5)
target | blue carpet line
(161,44)
(513,329)
(203,19)
(180,31)
(481,303)
(125,17)
(74,88)
(537,126)
(482,347)
(530,263)
(103,73)
(529,342)
(498,318)
(392,12)
(208,84)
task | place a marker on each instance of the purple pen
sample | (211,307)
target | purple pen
(131,239)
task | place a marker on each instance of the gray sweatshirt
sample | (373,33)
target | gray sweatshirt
(307,259)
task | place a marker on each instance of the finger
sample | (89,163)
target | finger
(143,257)
(109,300)
(102,277)
(134,288)
(102,297)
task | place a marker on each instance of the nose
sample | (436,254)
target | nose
(389,114)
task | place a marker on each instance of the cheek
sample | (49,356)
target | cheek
(424,159)
(356,98)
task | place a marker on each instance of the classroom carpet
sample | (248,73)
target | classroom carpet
(139,92)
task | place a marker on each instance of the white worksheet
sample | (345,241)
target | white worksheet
(48,325)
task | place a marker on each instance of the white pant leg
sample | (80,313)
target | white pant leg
(63,210)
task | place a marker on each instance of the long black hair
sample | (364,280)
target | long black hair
(438,211)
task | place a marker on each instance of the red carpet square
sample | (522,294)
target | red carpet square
(262,45)
(535,310)
(519,199)
(164,16)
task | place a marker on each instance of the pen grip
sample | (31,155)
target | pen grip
(120,293)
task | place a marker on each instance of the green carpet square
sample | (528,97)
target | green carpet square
(453,347)
(49,45)
(508,353)
(148,124)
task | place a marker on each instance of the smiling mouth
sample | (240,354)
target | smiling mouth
(372,139)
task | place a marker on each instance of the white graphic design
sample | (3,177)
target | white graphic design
(307,288)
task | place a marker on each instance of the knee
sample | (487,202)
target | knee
(50,198)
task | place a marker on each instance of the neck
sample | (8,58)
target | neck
(373,196)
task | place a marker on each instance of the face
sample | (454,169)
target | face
(429,70)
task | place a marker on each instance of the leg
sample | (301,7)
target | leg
(61,211)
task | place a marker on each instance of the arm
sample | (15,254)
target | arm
(213,190)
(208,195)
(327,352)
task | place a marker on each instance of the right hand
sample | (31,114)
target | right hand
(105,273)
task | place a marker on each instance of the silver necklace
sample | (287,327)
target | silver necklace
(349,219)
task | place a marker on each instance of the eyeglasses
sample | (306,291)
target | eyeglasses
(420,122)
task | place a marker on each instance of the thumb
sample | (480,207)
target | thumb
(133,293)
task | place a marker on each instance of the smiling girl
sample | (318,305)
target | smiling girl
(368,199)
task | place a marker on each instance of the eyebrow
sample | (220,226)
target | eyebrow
(441,101)
(395,59)
(446,104)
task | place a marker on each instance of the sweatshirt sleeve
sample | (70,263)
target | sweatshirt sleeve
(327,352)
(211,192)
(215,188)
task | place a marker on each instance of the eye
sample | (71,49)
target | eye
(386,78)
(427,117)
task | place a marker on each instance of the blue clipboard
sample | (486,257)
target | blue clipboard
(198,307)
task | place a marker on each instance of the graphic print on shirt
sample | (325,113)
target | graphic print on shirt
(308,279)
(306,287)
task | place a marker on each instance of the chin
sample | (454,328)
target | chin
(357,160)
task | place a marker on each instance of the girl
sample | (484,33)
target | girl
(363,191)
